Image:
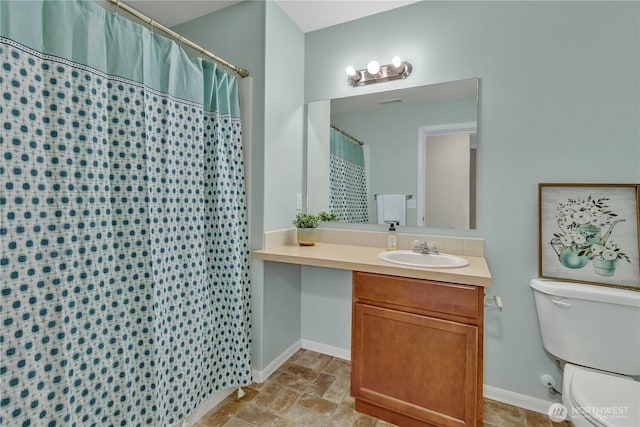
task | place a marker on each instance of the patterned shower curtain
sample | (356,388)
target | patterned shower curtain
(347,179)
(124,290)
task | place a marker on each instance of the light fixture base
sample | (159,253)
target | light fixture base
(387,73)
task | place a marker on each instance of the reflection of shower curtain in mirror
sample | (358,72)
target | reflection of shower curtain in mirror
(347,179)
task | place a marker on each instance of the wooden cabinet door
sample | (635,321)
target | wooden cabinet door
(414,366)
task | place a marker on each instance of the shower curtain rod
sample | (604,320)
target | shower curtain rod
(154,24)
(346,134)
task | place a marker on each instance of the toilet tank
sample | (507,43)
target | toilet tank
(589,325)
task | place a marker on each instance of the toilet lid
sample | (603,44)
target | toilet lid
(606,399)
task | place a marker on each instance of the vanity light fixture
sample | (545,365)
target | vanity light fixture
(376,73)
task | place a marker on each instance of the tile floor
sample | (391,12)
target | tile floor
(312,389)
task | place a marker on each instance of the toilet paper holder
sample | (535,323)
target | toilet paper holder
(493,302)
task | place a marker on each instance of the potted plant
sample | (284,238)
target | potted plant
(328,217)
(307,225)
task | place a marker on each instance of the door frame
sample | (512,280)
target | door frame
(423,133)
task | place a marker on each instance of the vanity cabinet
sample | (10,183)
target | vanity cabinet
(416,357)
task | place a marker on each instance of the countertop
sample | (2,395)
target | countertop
(365,258)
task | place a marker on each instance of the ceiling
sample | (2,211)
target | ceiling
(414,95)
(309,15)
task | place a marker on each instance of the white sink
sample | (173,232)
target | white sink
(419,260)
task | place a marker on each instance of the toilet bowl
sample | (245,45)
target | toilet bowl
(597,398)
(596,331)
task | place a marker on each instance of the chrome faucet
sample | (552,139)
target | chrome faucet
(425,248)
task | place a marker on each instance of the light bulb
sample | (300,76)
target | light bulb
(373,67)
(396,65)
(351,71)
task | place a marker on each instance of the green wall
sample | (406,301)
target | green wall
(284,118)
(326,306)
(559,102)
(284,101)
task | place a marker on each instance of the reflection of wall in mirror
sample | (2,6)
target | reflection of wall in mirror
(318,114)
(391,133)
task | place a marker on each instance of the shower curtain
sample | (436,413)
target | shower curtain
(347,179)
(124,290)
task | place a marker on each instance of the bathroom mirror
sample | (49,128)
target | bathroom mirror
(417,142)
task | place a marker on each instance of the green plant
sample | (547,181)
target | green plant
(328,217)
(306,220)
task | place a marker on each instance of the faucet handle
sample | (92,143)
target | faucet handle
(432,248)
(419,246)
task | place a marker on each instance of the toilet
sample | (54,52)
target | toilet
(595,332)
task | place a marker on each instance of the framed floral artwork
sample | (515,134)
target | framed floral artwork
(589,233)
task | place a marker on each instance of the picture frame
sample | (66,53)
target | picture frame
(588,233)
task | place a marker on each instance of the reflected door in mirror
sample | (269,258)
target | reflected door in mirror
(449,185)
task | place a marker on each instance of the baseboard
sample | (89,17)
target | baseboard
(490,392)
(330,350)
(206,406)
(260,376)
(517,399)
